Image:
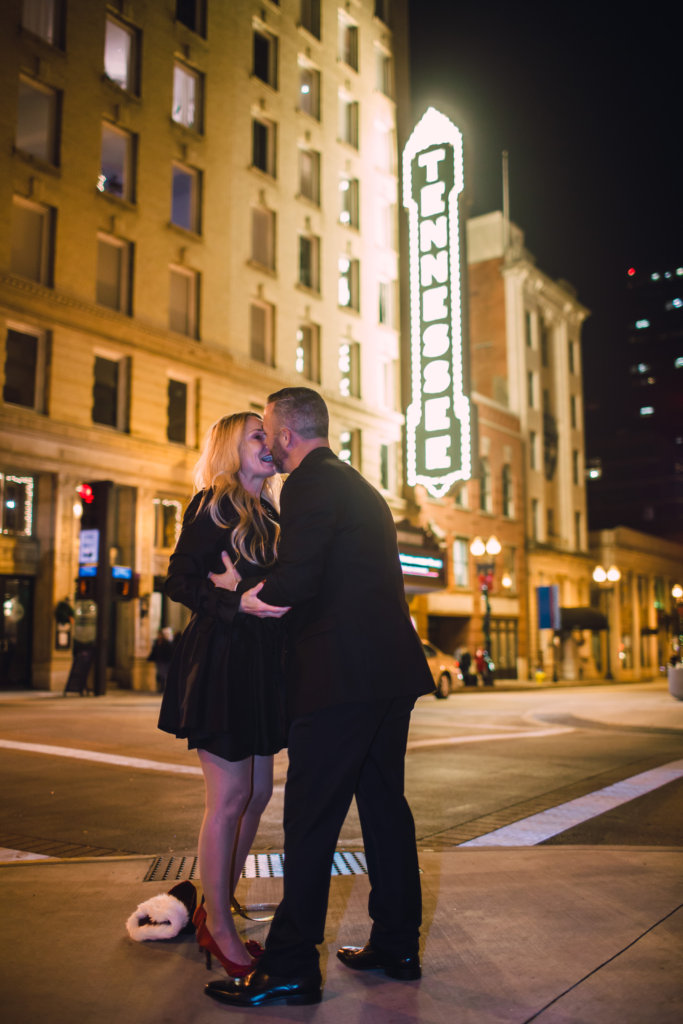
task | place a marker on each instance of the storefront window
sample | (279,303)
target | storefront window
(16,504)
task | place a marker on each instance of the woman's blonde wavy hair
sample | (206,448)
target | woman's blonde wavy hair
(216,473)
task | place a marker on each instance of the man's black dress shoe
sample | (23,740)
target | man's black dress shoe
(259,988)
(403,966)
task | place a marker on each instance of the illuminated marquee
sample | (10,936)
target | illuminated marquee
(438,417)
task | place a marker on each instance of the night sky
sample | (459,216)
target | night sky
(586,100)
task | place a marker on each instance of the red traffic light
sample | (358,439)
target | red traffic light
(85,493)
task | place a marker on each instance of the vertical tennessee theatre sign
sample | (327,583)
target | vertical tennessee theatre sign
(438,417)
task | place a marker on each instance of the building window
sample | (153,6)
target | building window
(310,17)
(348,202)
(572,410)
(544,332)
(44,19)
(388,382)
(575,466)
(384,73)
(168,516)
(348,121)
(308,352)
(309,175)
(461,562)
(187,97)
(572,358)
(534,518)
(265,57)
(16,504)
(385,222)
(261,333)
(461,496)
(110,392)
(387,466)
(309,262)
(349,369)
(384,148)
(25,367)
(550,516)
(263,237)
(176,423)
(263,146)
(530,389)
(349,447)
(533,456)
(528,328)
(116,164)
(120,55)
(185,198)
(113,273)
(309,91)
(485,499)
(578,538)
(348,42)
(348,289)
(32,241)
(37,116)
(183,302)
(386,302)
(383,10)
(506,481)
(192,13)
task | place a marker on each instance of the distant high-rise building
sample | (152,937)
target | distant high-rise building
(635,455)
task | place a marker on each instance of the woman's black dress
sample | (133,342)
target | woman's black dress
(225,687)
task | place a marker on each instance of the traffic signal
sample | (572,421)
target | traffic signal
(95,502)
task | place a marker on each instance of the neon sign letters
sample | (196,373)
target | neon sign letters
(438,417)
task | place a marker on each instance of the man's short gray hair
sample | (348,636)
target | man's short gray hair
(302,410)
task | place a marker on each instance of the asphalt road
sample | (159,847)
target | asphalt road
(477,762)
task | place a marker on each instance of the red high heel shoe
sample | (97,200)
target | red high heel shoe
(253,948)
(206,941)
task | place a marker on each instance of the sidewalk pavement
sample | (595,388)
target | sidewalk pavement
(550,934)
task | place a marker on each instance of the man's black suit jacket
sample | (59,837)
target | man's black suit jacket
(351,637)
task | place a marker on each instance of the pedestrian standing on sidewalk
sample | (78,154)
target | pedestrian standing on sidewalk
(355,669)
(161,653)
(225,688)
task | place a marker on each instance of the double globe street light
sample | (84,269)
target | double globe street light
(607,579)
(485,571)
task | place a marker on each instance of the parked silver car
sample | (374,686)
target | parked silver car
(444,668)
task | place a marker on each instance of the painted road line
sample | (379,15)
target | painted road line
(96,755)
(13,855)
(188,769)
(539,827)
(528,734)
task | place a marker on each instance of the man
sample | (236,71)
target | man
(356,667)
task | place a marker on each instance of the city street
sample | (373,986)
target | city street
(550,840)
(476,762)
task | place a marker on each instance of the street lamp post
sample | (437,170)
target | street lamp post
(485,572)
(606,579)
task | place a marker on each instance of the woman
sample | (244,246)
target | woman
(224,691)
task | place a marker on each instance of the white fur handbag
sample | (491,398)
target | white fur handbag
(164,916)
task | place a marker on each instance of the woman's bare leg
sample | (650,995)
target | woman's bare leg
(228,786)
(261,792)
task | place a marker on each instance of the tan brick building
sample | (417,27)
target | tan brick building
(198,205)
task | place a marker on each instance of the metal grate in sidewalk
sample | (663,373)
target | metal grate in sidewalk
(258,865)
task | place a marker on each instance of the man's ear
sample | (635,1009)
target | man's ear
(287,437)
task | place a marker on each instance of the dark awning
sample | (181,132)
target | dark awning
(582,618)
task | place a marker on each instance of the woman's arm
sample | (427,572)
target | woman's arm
(188,572)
